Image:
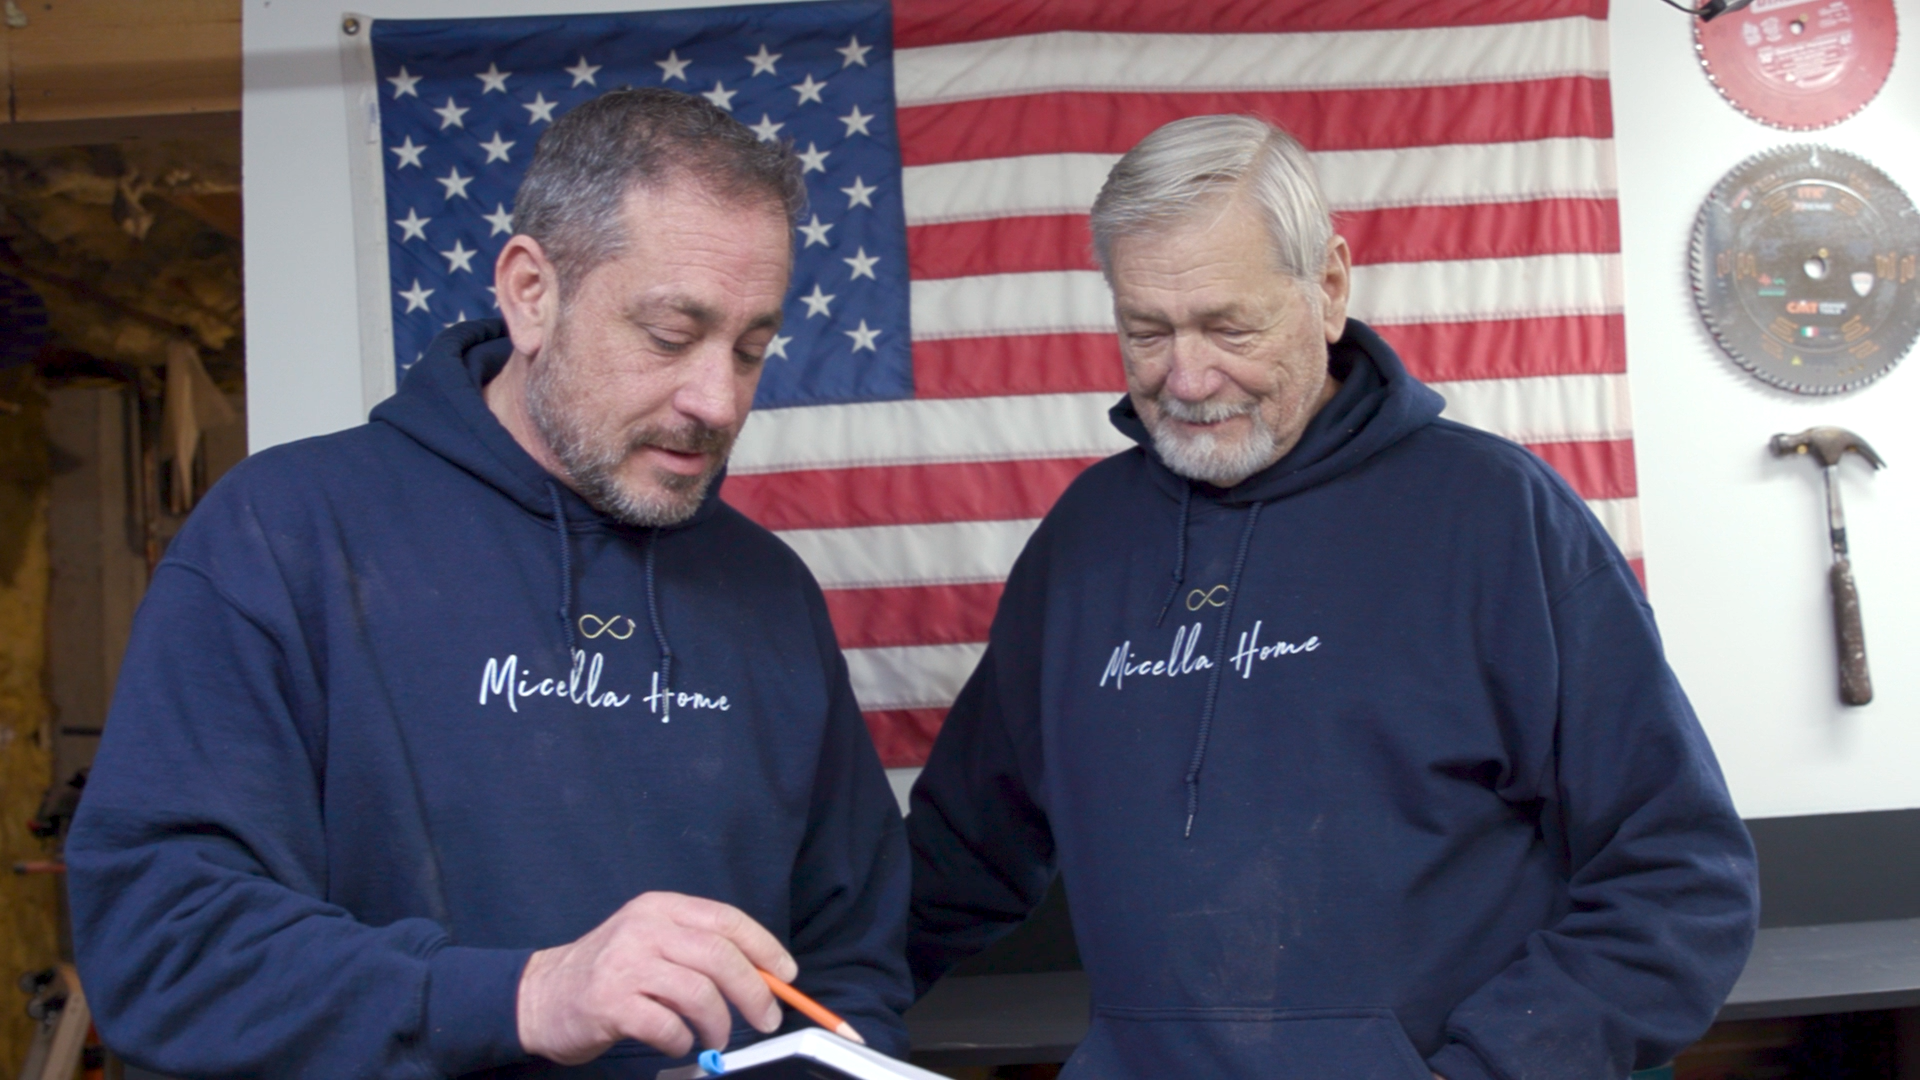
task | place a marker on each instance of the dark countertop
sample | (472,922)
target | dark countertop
(1795,971)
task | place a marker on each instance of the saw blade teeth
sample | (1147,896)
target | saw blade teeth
(1802,268)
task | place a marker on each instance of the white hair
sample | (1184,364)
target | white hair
(1186,166)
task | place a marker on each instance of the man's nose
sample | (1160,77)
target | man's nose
(1192,374)
(709,392)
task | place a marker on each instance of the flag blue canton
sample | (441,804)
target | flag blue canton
(463,102)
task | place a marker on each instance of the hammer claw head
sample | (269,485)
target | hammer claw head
(1827,444)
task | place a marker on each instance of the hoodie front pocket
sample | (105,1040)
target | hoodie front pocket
(1226,1044)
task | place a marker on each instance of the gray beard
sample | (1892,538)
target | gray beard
(1204,457)
(592,462)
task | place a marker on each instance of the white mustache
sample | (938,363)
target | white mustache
(1204,412)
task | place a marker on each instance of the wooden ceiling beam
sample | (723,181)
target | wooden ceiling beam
(97,62)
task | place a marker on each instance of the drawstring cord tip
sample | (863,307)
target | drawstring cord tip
(1189,833)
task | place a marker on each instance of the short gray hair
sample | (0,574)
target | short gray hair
(598,152)
(1180,168)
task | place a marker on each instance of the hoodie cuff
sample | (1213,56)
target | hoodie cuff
(473,1008)
(1456,1062)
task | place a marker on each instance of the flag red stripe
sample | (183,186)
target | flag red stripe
(1018,245)
(919,23)
(1017,364)
(912,615)
(904,494)
(1006,245)
(903,736)
(1597,470)
(1511,348)
(1434,352)
(1371,119)
(1482,231)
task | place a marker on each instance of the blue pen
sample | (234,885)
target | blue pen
(711,1061)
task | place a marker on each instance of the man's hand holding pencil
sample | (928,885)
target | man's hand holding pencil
(661,963)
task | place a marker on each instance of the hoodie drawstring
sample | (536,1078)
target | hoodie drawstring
(566,567)
(659,635)
(1219,663)
(1179,556)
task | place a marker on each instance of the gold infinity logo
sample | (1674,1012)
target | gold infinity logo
(599,626)
(1214,597)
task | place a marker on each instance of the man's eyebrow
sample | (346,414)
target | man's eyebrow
(704,315)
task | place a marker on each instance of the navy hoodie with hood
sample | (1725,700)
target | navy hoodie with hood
(1367,766)
(399,709)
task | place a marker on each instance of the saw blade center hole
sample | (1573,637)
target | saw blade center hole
(1816,267)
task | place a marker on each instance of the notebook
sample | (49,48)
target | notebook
(811,1054)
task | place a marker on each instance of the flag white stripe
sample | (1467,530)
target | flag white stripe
(1468,290)
(911,677)
(1543,408)
(1533,409)
(1621,519)
(889,556)
(927,432)
(1460,290)
(1330,60)
(1455,174)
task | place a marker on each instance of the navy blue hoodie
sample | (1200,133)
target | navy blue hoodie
(1368,766)
(383,729)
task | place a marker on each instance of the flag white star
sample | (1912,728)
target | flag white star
(414,224)
(863,337)
(762,61)
(409,153)
(720,95)
(857,122)
(861,262)
(450,115)
(500,219)
(582,72)
(496,149)
(403,84)
(815,232)
(859,194)
(812,159)
(817,303)
(854,52)
(673,66)
(808,91)
(494,297)
(455,184)
(459,258)
(415,297)
(457,319)
(766,128)
(777,347)
(493,79)
(539,110)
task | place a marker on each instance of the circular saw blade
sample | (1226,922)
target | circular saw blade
(1800,64)
(1806,268)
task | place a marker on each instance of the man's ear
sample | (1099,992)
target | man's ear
(528,291)
(1336,286)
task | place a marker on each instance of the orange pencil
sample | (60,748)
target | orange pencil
(812,1009)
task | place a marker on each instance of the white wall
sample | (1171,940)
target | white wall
(1736,556)
(1735,539)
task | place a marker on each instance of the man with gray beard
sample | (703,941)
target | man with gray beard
(484,738)
(1346,727)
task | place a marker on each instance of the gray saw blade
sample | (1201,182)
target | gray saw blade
(1806,268)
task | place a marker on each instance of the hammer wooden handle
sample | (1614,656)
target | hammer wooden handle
(1856,686)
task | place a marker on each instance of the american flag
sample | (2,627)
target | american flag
(919,424)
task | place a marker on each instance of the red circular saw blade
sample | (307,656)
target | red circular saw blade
(1800,64)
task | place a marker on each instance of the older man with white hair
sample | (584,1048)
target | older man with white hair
(1347,726)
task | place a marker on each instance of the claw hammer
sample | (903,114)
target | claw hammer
(1827,445)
